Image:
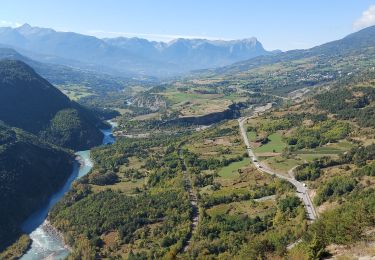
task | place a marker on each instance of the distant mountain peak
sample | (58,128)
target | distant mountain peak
(129,56)
(250,40)
(25,26)
(27,29)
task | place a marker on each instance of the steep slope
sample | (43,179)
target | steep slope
(30,171)
(29,102)
(124,55)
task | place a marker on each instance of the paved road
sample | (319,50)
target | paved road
(302,191)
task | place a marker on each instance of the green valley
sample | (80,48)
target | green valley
(132,148)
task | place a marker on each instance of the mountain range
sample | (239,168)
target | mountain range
(127,56)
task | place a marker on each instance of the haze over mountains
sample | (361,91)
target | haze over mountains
(66,75)
(127,56)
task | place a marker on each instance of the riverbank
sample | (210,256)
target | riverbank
(18,249)
(47,242)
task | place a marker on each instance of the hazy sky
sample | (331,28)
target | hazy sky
(278,24)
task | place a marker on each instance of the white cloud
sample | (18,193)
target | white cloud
(4,23)
(150,36)
(367,19)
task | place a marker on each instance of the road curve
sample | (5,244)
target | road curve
(302,191)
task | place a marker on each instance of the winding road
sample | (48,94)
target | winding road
(302,190)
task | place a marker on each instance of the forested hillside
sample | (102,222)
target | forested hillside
(29,102)
(36,122)
(30,171)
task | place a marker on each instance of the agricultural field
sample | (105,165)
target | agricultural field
(286,137)
(76,92)
(197,101)
(232,190)
(231,171)
(328,141)
(275,144)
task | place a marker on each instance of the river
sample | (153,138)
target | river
(46,242)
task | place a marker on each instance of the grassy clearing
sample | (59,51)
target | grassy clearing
(228,190)
(311,157)
(281,164)
(196,104)
(178,97)
(276,144)
(127,187)
(231,171)
(326,150)
(307,155)
(252,135)
(249,208)
(252,208)
(123,111)
(146,117)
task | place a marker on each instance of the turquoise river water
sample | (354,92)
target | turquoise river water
(46,242)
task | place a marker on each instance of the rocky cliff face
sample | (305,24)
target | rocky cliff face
(232,112)
(150,101)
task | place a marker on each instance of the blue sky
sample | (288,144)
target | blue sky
(278,24)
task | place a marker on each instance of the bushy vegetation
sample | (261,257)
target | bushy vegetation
(359,155)
(312,171)
(348,221)
(321,133)
(155,218)
(71,128)
(351,104)
(126,214)
(344,225)
(250,237)
(197,164)
(335,187)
